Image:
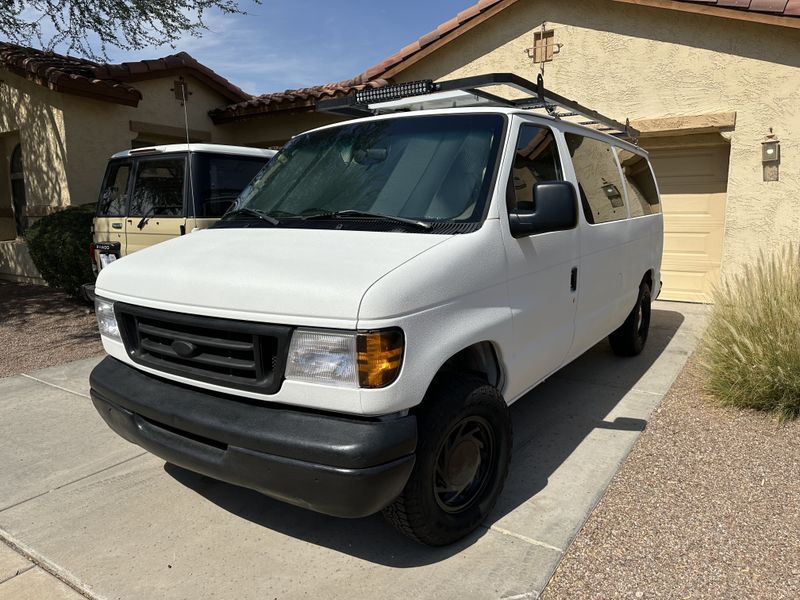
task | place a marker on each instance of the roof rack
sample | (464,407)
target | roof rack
(467,91)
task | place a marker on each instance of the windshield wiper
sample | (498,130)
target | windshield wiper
(339,214)
(253,213)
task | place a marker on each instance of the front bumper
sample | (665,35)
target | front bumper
(331,464)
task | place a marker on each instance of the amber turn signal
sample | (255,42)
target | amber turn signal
(380,355)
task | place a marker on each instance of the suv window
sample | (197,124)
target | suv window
(114,195)
(220,179)
(158,187)
(599,181)
(642,192)
(536,160)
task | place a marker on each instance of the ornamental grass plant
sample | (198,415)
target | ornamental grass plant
(751,348)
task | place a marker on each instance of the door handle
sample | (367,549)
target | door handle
(573,279)
(117,225)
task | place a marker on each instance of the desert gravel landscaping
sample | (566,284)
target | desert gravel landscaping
(41,327)
(706,506)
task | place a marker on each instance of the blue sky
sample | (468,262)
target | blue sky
(283,44)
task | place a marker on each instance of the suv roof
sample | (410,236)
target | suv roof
(215,148)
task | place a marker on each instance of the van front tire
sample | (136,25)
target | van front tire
(463,452)
(629,339)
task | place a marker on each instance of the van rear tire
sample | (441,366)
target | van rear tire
(629,339)
(463,453)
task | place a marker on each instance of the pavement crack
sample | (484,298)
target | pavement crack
(63,389)
(18,573)
(48,566)
(81,478)
(523,538)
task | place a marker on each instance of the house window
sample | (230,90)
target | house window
(543,44)
(18,191)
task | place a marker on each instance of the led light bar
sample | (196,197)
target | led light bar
(395,92)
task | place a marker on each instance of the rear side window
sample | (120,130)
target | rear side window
(642,192)
(536,160)
(114,195)
(599,181)
(219,180)
(158,187)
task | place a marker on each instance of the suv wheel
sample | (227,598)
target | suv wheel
(629,339)
(462,461)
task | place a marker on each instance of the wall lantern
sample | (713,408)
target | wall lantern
(771,156)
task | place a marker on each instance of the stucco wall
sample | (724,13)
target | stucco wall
(37,115)
(273,128)
(633,61)
(96,129)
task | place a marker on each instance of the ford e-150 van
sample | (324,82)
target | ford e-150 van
(349,336)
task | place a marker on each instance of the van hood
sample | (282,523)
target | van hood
(278,275)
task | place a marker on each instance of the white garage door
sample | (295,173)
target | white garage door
(693,183)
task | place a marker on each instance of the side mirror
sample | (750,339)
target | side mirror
(556,209)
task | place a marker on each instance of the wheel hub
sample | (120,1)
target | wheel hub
(464,464)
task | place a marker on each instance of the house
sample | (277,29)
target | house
(712,85)
(706,82)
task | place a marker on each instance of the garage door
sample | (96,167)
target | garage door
(693,184)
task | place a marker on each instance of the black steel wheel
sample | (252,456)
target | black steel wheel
(463,452)
(629,339)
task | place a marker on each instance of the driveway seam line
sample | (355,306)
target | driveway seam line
(63,485)
(49,566)
(524,538)
(18,573)
(55,385)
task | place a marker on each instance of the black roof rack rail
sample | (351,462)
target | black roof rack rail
(537,97)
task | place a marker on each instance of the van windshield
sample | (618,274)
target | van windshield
(433,169)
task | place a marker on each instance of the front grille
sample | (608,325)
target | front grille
(236,354)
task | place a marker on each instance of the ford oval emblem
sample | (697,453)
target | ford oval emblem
(184,349)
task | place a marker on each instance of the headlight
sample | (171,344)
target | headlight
(106,320)
(370,360)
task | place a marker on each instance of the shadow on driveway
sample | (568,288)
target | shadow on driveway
(550,422)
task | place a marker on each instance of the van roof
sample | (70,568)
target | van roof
(213,148)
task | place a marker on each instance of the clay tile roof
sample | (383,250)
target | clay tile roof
(65,74)
(300,99)
(108,82)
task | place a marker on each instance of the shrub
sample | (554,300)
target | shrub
(59,246)
(752,344)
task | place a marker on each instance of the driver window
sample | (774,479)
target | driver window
(536,160)
(158,188)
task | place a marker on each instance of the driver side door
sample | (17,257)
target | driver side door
(542,267)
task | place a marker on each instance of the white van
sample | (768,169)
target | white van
(349,336)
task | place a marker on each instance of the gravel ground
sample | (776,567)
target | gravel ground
(40,327)
(706,506)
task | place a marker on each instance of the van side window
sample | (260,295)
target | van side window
(536,160)
(219,180)
(114,195)
(158,188)
(642,192)
(599,181)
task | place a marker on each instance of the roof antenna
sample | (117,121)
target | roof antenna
(181,93)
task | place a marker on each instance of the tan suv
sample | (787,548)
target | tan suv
(153,194)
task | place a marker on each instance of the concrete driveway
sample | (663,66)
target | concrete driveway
(101,517)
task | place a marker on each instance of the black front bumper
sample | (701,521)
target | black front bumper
(331,464)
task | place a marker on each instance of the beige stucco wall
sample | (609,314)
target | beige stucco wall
(632,61)
(96,129)
(36,114)
(273,129)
